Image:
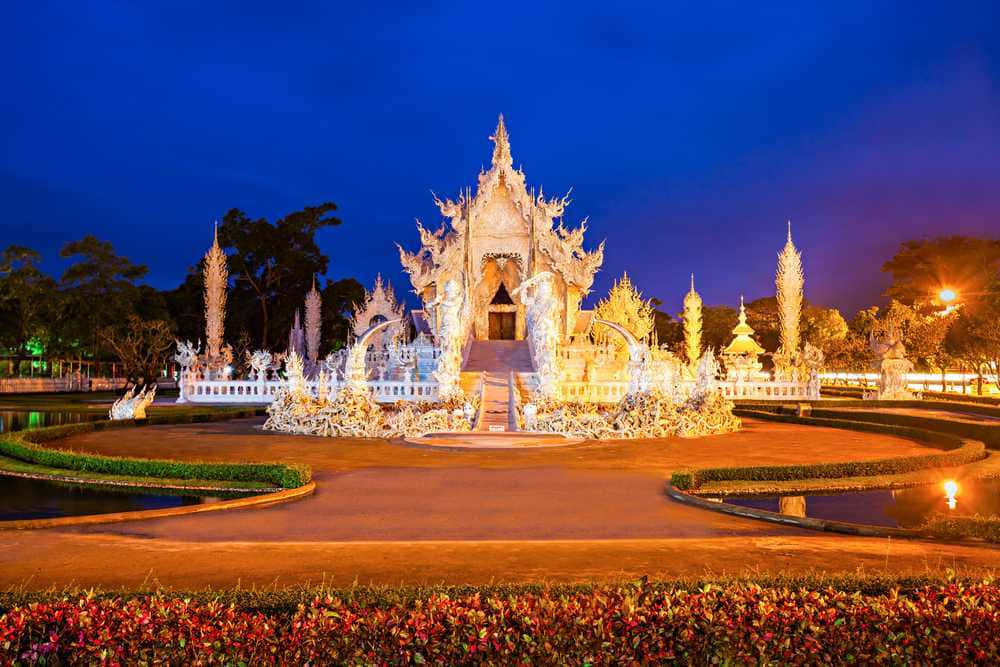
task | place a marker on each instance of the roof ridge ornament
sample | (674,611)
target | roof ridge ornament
(501,146)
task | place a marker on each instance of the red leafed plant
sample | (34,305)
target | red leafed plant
(952,622)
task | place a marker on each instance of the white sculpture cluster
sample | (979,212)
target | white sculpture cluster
(892,364)
(451,338)
(543,330)
(133,405)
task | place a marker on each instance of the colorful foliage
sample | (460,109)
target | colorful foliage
(641,624)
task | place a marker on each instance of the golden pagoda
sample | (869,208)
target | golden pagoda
(741,354)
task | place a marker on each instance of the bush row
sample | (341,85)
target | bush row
(286,476)
(949,527)
(957,452)
(25,446)
(988,433)
(638,624)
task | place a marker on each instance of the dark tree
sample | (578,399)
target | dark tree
(99,289)
(717,326)
(273,265)
(922,268)
(340,299)
(28,302)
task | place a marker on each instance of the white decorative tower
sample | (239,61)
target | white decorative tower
(216,277)
(692,326)
(380,305)
(314,318)
(788,281)
(297,337)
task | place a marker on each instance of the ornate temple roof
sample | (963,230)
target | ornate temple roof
(443,251)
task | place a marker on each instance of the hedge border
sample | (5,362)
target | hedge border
(957,452)
(25,446)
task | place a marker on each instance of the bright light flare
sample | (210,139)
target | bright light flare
(947,295)
(950,491)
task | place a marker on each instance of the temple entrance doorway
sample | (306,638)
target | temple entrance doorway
(503,326)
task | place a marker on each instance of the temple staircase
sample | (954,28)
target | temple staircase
(496,360)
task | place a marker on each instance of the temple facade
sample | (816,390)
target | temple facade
(492,241)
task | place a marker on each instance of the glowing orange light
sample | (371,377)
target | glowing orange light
(950,491)
(947,295)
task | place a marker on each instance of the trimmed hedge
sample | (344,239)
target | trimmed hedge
(947,527)
(24,446)
(953,623)
(957,452)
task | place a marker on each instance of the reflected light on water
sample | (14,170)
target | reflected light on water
(950,491)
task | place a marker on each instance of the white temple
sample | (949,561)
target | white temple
(495,240)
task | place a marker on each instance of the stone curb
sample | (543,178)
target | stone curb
(824,525)
(263,500)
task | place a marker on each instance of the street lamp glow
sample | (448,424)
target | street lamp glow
(950,491)
(947,295)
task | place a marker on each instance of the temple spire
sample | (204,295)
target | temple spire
(501,145)
(789,231)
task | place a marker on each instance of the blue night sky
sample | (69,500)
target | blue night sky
(689,133)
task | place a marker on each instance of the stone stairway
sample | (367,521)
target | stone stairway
(496,359)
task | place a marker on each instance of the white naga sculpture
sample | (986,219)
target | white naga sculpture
(133,405)
(893,366)
(187,358)
(450,308)
(356,371)
(542,324)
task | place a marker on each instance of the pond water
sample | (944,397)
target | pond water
(902,508)
(20,420)
(22,498)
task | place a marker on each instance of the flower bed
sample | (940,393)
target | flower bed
(952,622)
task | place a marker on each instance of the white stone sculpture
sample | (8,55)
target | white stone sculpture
(543,330)
(356,370)
(692,327)
(314,320)
(788,281)
(187,358)
(640,370)
(893,366)
(133,405)
(450,305)
(706,376)
(216,278)
(294,373)
(261,362)
(813,359)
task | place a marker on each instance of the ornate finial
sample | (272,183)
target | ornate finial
(215,236)
(743,311)
(501,148)
(692,282)
(789,231)
(314,283)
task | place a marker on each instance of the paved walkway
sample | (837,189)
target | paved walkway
(390,513)
(498,359)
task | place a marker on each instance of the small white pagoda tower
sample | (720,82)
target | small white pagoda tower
(742,353)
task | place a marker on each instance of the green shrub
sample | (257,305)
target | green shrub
(682,479)
(956,452)
(943,526)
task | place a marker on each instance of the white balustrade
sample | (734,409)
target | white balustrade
(251,392)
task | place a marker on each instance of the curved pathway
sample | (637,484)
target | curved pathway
(390,513)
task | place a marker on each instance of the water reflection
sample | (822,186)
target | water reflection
(905,508)
(21,420)
(36,499)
